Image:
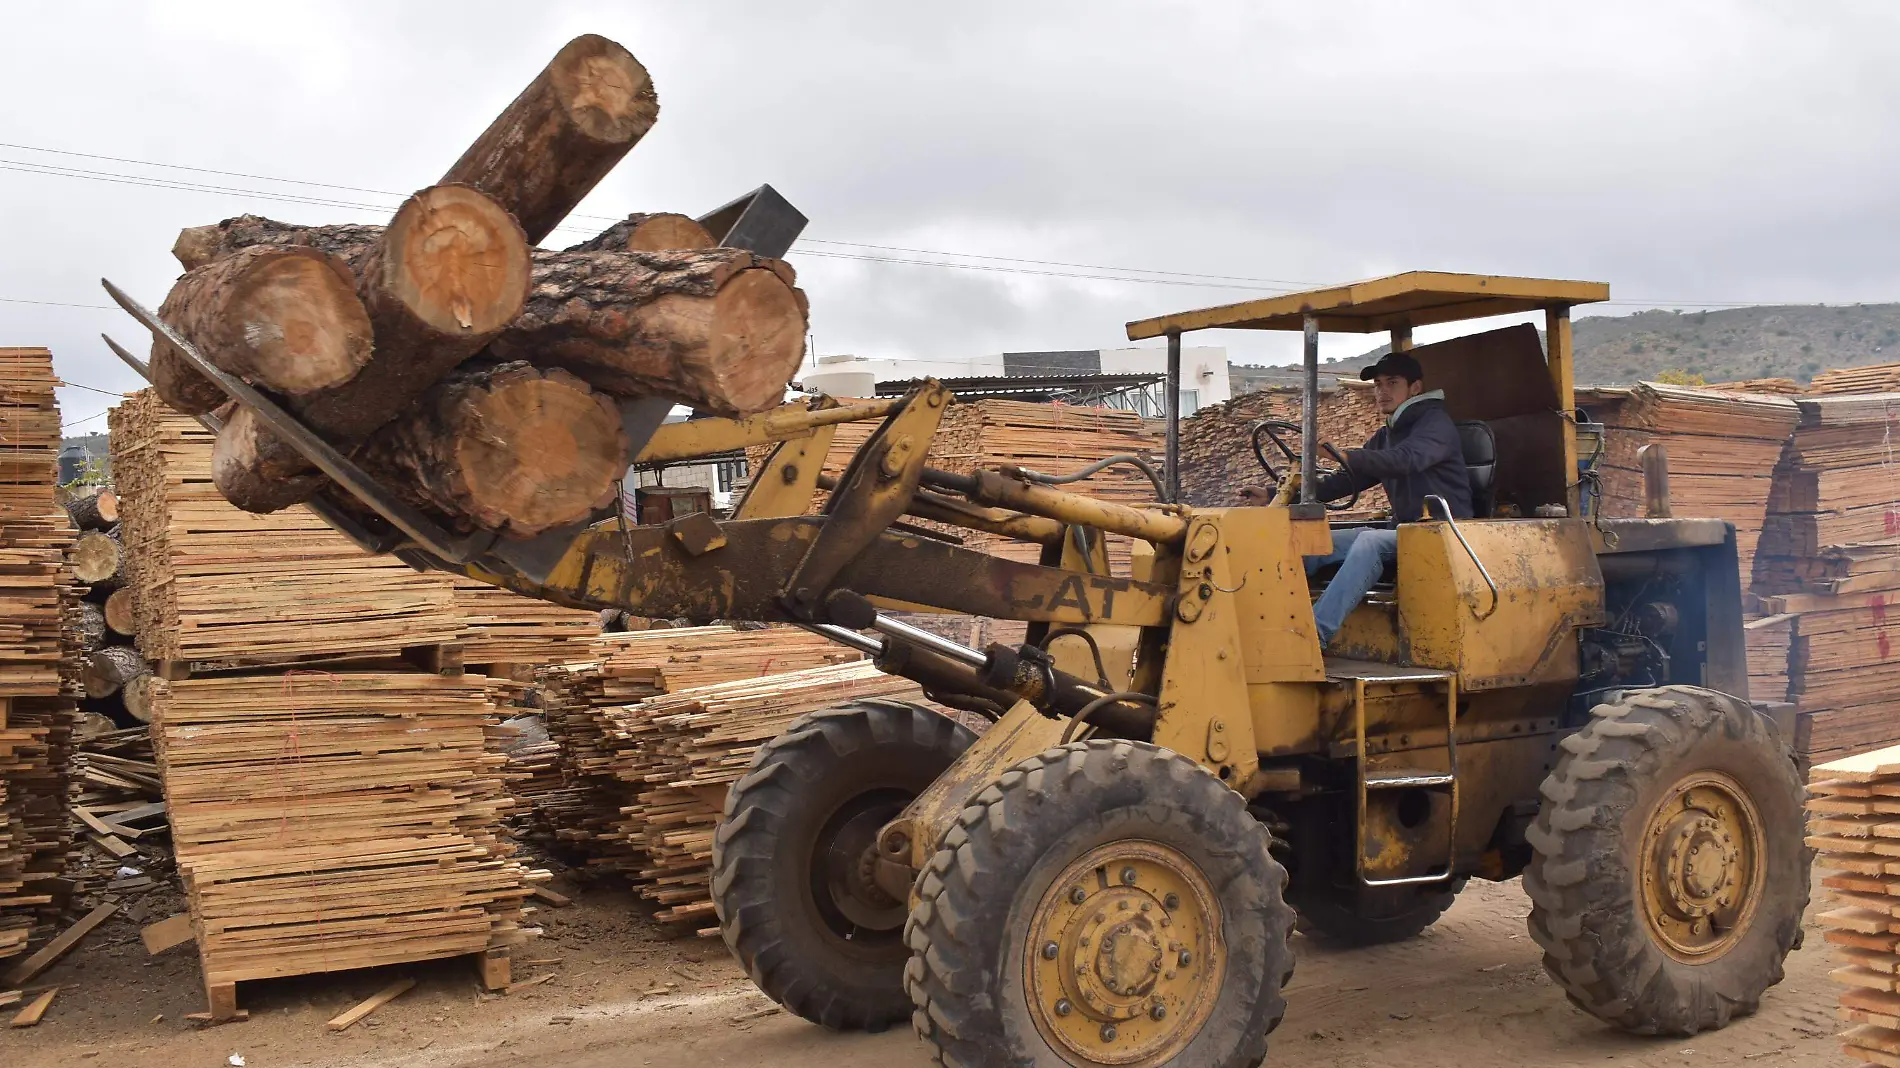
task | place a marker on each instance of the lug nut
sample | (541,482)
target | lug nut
(1108,1032)
(1063,1008)
(1171,902)
(1186,958)
(1129,875)
(1077,895)
(1049,950)
(1159,1012)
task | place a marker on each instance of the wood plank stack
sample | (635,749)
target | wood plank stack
(333,820)
(676,755)
(1854,826)
(1830,560)
(504,627)
(1869,378)
(1217,459)
(36,718)
(477,376)
(1781,386)
(211,582)
(1722,450)
(632,667)
(326,764)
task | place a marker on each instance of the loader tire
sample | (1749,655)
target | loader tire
(1669,872)
(795,906)
(1104,902)
(1369,916)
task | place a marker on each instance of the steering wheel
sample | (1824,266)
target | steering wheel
(1272,429)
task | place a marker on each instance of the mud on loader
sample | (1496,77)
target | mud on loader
(1176,774)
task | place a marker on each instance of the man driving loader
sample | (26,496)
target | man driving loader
(1416,454)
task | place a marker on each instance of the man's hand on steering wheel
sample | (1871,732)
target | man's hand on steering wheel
(1272,430)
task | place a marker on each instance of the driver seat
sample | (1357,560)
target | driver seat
(1481,464)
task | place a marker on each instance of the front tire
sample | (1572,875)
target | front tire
(1105,902)
(796,905)
(1669,872)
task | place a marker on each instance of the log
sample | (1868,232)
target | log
(719,329)
(119,613)
(448,272)
(137,695)
(109,669)
(548,149)
(649,233)
(97,510)
(98,560)
(255,470)
(88,624)
(511,448)
(286,318)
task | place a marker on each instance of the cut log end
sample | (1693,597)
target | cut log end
(756,340)
(136,692)
(458,261)
(300,314)
(97,559)
(108,670)
(198,245)
(606,93)
(255,471)
(119,616)
(97,510)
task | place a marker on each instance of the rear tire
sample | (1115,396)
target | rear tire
(1130,845)
(807,923)
(1669,872)
(1374,916)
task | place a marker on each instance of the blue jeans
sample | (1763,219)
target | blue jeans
(1362,554)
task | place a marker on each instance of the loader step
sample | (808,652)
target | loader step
(1407,779)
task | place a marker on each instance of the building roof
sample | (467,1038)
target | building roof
(1031,387)
(1415,298)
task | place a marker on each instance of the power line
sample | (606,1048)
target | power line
(96,415)
(80,385)
(57,303)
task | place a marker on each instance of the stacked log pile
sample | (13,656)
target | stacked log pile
(478,377)
(37,719)
(325,761)
(676,755)
(1852,803)
(1217,459)
(629,668)
(1722,450)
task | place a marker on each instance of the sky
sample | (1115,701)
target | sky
(1084,164)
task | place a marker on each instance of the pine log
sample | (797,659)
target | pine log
(118,613)
(110,668)
(255,470)
(98,560)
(97,510)
(285,318)
(88,622)
(137,695)
(551,146)
(511,448)
(719,329)
(659,232)
(450,270)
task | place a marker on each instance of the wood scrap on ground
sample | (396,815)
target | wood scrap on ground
(345,1020)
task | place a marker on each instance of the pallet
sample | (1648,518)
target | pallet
(492,970)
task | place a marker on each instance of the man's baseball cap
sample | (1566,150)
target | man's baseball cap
(1394,363)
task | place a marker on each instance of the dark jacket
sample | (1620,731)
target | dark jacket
(1415,457)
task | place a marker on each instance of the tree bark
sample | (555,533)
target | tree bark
(661,232)
(88,622)
(98,560)
(97,510)
(119,618)
(510,448)
(255,470)
(556,141)
(719,329)
(284,318)
(110,668)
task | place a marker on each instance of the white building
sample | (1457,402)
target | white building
(1204,378)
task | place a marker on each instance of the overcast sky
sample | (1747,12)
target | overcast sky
(1688,153)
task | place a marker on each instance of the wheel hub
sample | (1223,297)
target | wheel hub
(1703,866)
(1124,961)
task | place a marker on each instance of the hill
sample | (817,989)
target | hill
(1794,341)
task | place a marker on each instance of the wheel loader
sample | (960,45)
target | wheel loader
(1174,774)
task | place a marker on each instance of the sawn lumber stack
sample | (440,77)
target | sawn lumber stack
(1854,826)
(36,720)
(477,376)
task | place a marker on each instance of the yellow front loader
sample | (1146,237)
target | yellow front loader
(1175,773)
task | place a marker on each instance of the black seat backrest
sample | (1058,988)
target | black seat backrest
(1481,463)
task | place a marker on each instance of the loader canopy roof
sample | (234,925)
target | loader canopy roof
(1415,298)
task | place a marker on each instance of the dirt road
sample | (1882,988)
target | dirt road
(1470,992)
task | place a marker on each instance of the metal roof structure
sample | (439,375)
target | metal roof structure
(1071,388)
(1415,298)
